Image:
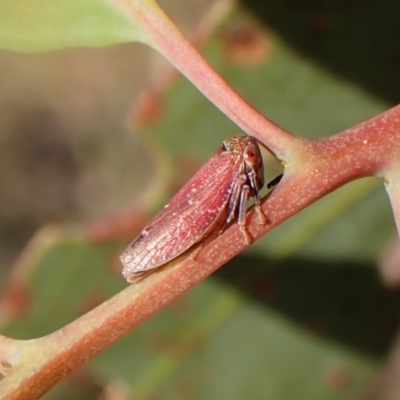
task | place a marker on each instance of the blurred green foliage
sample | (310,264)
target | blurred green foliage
(300,315)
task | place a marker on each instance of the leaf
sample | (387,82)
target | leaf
(44,25)
(191,348)
(301,315)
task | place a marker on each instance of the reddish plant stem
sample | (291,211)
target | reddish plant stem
(393,189)
(386,386)
(170,42)
(313,169)
(317,168)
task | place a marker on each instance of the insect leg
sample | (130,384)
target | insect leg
(257,199)
(260,212)
(274,181)
(235,196)
(244,197)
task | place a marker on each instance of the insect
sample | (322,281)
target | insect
(212,198)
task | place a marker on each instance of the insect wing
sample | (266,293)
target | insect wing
(186,219)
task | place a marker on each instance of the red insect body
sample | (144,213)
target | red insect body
(214,196)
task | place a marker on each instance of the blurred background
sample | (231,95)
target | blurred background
(94,141)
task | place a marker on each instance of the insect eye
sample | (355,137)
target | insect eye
(250,156)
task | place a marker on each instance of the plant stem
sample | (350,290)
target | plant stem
(170,42)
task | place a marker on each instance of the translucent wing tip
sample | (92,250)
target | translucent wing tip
(127,271)
(130,271)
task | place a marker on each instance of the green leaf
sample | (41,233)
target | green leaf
(301,306)
(55,24)
(220,339)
